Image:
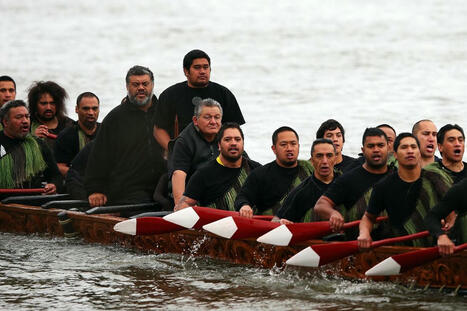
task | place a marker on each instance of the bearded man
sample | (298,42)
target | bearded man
(126,161)
(25,161)
(217,183)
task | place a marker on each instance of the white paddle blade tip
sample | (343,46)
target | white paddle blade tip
(126,226)
(279,236)
(186,217)
(386,267)
(305,258)
(225,227)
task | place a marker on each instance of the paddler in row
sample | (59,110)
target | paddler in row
(455,200)
(347,198)
(298,206)
(266,187)
(126,161)
(46,101)
(176,104)
(195,145)
(72,139)
(426,131)
(7,89)
(391,135)
(406,195)
(26,162)
(217,183)
(334,131)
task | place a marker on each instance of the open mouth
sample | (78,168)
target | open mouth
(430,148)
(457,151)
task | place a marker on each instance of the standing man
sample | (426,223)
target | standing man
(25,162)
(340,201)
(334,131)
(177,103)
(47,107)
(267,186)
(195,146)
(126,161)
(7,89)
(406,196)
(426,131)
(73,139)
(298,206)
(217,183)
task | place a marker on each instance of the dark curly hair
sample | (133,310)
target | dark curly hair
(58,93)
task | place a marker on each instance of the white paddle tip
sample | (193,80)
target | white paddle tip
(186,217)
(305,258)
(126,226)
(386,267)
(225,227)
(279,236)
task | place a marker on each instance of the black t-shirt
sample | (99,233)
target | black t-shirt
(348,188)
(396,196)
(67,144)
(212,181)
(302,198)
(74,180)
(347,164)
(179,100)
(266,186)
(456,176)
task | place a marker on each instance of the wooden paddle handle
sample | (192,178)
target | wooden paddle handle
(401,239)
(51,135)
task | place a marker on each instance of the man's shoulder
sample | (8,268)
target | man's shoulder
(68,132)
(173,89)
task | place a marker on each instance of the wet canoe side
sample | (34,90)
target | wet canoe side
(449,272)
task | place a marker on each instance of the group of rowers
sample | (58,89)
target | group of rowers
(187,148)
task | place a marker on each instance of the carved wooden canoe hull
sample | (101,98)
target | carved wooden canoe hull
(448,272)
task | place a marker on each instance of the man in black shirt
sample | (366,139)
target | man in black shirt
(177,102)
(266,187)
(451,140)
(48,113)
(126,162)
(25,161)
(216,184)
(454,200)
(71,140)
(406,196)
(334,131)
(195,146)
(338,203)
(298,206)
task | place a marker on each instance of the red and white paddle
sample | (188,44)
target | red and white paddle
(321,254)
(400,263)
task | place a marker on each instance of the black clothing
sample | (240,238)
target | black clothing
(347,164)
(406,203)
(126,161)
(454,200)
(74,180)
(348,188)
(213,180)
(456,176)
(302,199)
(178,101)
(266,186)
(190,151)
(51,174)
(67,145)
(63,123)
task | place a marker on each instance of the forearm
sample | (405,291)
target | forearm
(162,137)
(184,202)
(366,224)
(63,168)
(324,207)
(178,184)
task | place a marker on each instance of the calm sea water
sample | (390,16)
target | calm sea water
(296,63)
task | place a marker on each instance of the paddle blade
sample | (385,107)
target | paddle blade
(294,233)
(238,227)
(386,267)
(325,253)
(146,226)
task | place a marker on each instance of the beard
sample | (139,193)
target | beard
(288,163)
(229,158)
(139,103)
(89,124)
(43,118)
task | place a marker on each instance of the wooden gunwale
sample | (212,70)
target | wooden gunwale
(449,272)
